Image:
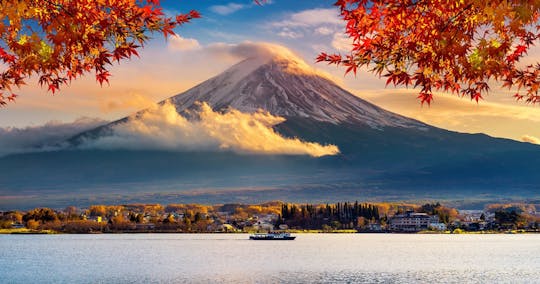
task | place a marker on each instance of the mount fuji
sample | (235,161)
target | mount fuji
(382,155)
(280,83)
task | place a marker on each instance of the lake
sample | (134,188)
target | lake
(232,258)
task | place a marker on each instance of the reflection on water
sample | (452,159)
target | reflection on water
(311,258)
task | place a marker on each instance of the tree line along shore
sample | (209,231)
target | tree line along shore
(271,216)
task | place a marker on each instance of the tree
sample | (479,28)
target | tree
(508,219)
(449,45)
(187,223)
(169,219)
(60,40)
(32,224)
(40,214)
(98,210)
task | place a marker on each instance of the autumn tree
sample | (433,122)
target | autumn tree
(40,214)
(136,217)
(82,226)
(446,215)
(98,210)
(60,40)
(444,45)
(119,223)
(187,223)
(32,224)
(13,216)
(169,219)
(509,219)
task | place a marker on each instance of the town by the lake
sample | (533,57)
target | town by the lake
(342,217)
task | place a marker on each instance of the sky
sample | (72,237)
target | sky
(201,49)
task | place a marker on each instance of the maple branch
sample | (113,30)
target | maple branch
(438,44)
(453,18)
(58,6)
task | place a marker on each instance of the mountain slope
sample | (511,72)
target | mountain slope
(383,155)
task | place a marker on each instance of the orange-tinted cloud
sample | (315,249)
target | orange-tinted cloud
(132,100)
(161,127)
(530,139)
(499,119)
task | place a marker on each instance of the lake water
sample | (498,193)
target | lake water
(311,258)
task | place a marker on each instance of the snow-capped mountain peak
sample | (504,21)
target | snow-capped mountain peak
(283,84)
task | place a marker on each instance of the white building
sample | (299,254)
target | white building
(263,226)
(410,222)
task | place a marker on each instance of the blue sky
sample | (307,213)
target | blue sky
(243,18)
(233,22)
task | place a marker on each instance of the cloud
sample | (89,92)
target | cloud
(498,119)
(530,139)
(311,18)
(314,21)
(178,43)
(162,128)
(227,54)
(341,42)
(264,51)
(231,8)
(130,100)
(248,49)
(289,34)
(227,9)
(44,137)
(324,30)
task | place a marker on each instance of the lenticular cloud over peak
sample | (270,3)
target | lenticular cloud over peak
(262,52)
(163,128)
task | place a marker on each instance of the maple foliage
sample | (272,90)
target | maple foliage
(61,40)
(459,46)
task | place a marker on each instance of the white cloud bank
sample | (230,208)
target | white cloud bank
(313,25)
(49,136)
(162,128)
(311,18)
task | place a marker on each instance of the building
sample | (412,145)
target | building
(472,215)
(97,219)
(375,227)
(145,226)
(283,227)
(263,226)
(17,226)
(437,226)
(410,222)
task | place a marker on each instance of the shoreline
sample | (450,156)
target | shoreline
(52,232)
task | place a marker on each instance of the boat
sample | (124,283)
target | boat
(272,236)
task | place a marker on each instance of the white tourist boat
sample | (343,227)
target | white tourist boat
(272,236)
